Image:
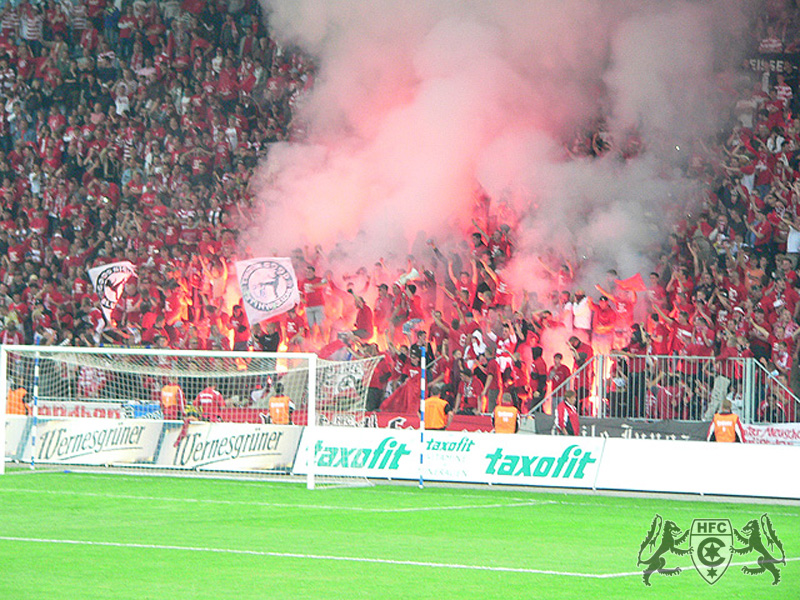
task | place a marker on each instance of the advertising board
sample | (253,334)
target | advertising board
(229,446)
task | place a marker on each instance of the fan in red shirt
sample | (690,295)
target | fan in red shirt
(380,377)
(663,401)
(604,322)
(761,230)
(468,394)
(313,290)
(295,328)
(778,296)
(538,377)
(488,371)
(557,375)
(659,336)
(210,403)
(363,328)
(733,368)
(567,420)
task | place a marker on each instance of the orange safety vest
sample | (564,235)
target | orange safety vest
(435,414)
(15,405)
(279,410)
(170,396)
(725,427)
(505,419)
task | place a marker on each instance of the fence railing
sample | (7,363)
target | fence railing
(686,388)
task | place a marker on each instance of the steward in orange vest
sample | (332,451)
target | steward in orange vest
(726,426)
(172,401)
(438,412)
(16,404)
(280,407)
(506,416)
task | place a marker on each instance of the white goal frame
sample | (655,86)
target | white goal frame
(309,433)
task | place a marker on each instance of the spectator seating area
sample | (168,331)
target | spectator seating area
(133,135)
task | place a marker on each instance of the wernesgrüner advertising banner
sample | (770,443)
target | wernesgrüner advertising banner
(94,441)
(229,446)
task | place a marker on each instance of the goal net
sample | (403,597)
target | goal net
(238,412)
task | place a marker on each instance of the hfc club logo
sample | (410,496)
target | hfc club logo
(711,543)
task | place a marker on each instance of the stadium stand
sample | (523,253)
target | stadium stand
(134,136)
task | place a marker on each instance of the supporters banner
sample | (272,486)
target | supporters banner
(94,410)
(785,434)
(383,419)
(269,287)
(229,446)
(774,63)
(110,409)
(109,281)
(631,429)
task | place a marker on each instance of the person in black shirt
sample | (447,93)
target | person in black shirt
(269,337)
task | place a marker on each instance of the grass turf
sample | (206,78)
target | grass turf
(161,537)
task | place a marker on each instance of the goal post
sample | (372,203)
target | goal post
(3,407)
(181,410)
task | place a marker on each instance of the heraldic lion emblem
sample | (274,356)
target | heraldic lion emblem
(671,538)
(753,531)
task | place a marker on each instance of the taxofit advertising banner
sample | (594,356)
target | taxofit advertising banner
(451,456)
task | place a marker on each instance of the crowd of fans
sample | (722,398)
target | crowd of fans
(132,135)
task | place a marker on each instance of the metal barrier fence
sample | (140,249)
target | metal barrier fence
(684,388)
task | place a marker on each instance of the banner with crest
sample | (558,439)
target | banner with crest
(268,286)
(109,282)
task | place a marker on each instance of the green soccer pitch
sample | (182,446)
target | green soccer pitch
(88,535)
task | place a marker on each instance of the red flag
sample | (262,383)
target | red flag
(632,284)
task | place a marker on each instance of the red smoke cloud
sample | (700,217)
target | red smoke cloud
(417,103)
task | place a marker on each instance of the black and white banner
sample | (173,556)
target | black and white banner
(109,282)
(630,429)
(269,287)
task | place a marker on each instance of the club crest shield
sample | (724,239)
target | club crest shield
(711,541)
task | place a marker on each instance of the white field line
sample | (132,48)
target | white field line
(691,501)
(514,502)
(693,568)
(293,505)
(331,557)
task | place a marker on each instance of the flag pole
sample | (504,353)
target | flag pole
(422,378)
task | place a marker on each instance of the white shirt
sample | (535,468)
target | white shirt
(582,314)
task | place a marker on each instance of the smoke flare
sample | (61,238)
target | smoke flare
(418,104)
